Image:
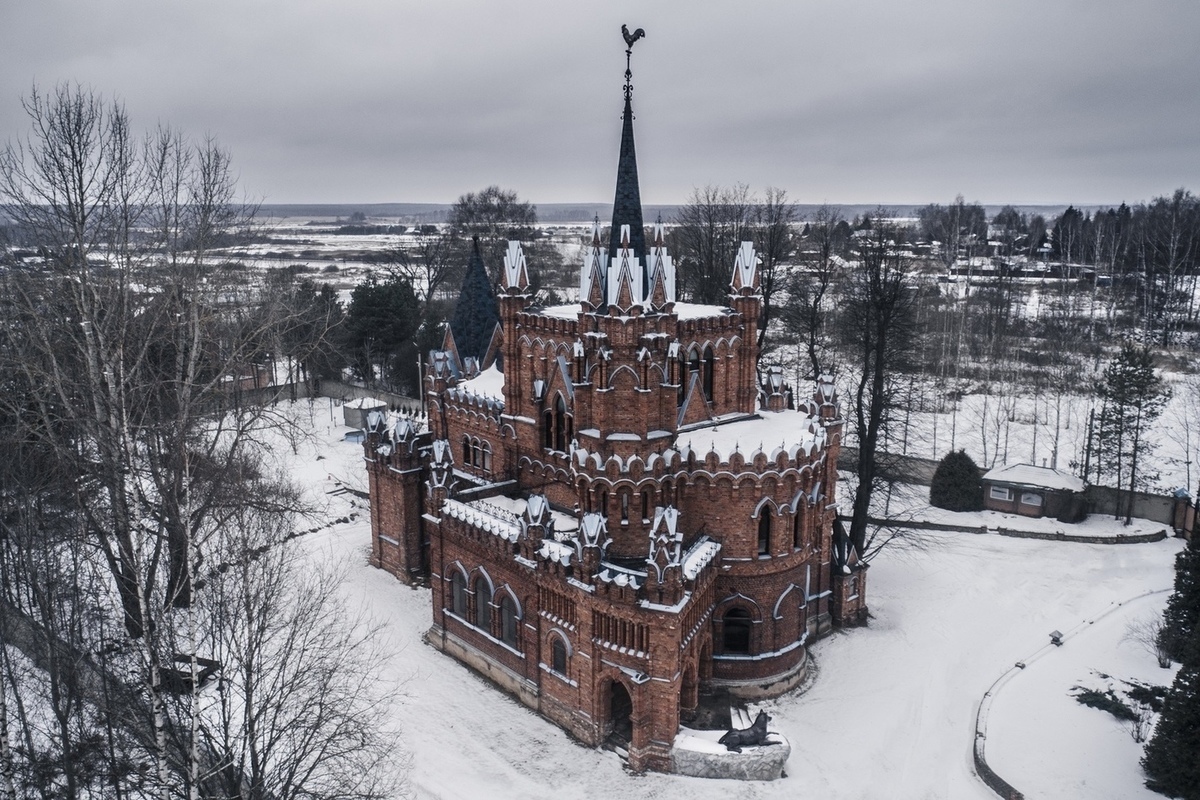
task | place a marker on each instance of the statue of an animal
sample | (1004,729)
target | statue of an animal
(755,735)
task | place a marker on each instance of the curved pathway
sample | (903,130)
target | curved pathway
(1001,784)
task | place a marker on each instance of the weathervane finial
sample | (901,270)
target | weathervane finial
(630,38)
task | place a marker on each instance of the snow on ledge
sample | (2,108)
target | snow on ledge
(488,384)
(769,431)
(701,554)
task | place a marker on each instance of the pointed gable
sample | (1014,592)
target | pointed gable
(625,276)
(595,266)
(516,274)
(745,270)
(661,271)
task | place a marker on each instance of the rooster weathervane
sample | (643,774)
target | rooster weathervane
(630,38)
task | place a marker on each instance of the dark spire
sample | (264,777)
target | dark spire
(476,313)
(627,206)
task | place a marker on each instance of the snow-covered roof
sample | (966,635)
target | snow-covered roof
(564,524)
(487,384)
(699,311)
(366,402)
(682,310)
(766,431)
(486,516)
(568,311)
(1031,475)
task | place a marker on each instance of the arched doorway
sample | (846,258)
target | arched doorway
(736,633)
(689,690)
(620,714)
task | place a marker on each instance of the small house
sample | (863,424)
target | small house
(1033,491)
(354,412)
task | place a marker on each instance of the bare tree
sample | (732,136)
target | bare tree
(879,336)
(774,227)
(300,709)
(1147,633)
(811,288)
(140,371)
(708,231)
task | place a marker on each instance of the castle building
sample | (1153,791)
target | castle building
(613,507)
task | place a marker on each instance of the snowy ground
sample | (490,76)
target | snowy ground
(891,712)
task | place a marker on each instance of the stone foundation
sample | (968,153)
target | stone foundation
(772,687)
(699,755)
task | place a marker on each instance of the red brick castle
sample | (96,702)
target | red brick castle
(613,507)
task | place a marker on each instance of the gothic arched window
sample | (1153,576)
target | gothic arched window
(561,421)
(509,621)
(483,605)
(458,594)
(709,367)
(736,631)
(764,532)
(558,655)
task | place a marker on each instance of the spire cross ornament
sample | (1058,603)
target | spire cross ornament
(630,38)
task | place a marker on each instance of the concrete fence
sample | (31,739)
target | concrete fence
(339,390)
(1056,536)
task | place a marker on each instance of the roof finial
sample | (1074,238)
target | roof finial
(630,38)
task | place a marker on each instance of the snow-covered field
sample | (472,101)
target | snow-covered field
(890,713)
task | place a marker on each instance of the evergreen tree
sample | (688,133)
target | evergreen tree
(476,314)
(1183,608)
(1172,759)
(1133,397)
(957,483)
(382,318)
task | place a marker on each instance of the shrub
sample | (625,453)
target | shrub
(1105,701)
(956,484)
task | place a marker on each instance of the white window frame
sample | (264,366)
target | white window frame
(1001,493)
(1031,499)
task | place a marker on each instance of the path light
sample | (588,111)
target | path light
(1056,638)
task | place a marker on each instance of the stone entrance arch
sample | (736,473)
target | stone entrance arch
(619,723)
(689,689)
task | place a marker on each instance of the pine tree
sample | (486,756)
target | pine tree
(476,314)
(381,320)
(957,484)
(1134,396)
(1183,608)
(1172,759)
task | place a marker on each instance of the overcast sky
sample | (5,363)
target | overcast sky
(845,101)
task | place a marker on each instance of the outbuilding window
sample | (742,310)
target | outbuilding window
(1001,493)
